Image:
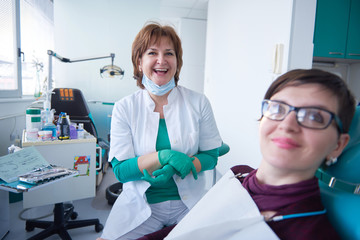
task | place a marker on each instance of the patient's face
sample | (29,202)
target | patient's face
(291,148)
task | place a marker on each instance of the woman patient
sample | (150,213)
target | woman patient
(306,115)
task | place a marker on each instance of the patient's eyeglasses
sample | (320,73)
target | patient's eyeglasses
(308,117)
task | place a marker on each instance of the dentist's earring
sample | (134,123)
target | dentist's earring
(331,161)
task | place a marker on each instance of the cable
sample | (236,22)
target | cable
(69,207)
(297,215)
(25,219)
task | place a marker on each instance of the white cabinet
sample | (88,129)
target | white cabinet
(77,153)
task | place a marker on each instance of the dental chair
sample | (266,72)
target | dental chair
(340,186)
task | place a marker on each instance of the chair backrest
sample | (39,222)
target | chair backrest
(223,149)
(72,101)
(340,186)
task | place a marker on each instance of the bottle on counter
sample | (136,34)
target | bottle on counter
(47,124)
(73,131)
(80,131)
(63,126)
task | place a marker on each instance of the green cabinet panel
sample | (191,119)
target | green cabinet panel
(337,29)
(331,27)
(353,41)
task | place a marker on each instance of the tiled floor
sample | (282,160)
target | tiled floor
(89,208)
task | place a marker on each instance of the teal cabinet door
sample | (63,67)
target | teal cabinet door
(331,27)
(353,41)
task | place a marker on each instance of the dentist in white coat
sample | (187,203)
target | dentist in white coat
(163,140)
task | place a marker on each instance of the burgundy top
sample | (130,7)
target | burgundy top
(286,199)
(289,199)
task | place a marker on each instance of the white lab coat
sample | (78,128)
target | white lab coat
(191,128)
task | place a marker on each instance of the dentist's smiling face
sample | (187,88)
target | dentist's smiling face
(158,62)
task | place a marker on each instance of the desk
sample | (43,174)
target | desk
(67,153)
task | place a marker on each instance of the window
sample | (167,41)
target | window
(8,49)
(22,67)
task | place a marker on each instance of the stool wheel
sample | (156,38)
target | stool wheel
(99,227)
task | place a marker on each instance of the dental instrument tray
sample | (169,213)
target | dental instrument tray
(48,173)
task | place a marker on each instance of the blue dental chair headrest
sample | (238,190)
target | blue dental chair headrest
(340,186)
(348,166)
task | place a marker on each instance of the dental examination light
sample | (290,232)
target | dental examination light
(108,71)
(112,70)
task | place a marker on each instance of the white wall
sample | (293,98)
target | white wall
(12,122)
(86,28)
(354,79)
(193,34)
(97,28)
(302,32)
(348,71)
(241,36)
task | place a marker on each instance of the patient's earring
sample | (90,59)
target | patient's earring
(331,161)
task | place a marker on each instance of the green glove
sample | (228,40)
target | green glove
(180,161)
(147,177)
(162,175)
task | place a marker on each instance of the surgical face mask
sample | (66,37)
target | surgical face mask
(156,89)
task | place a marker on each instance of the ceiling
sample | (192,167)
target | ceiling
(185,8)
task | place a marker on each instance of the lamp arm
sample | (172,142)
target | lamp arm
(88,59)
(67,60)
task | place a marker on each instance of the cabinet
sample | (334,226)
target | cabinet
(353,42)
(75,153)
(337,29)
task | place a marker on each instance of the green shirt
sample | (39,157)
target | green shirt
(167,191)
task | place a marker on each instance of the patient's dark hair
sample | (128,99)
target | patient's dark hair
(329,81)
(149,34)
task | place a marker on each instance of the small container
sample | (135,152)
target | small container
(32,134)
(45,135)
(80,131)
(51,127)
(32,118)
(35,123)
(73,131)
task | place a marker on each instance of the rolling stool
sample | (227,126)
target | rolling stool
(112,192)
